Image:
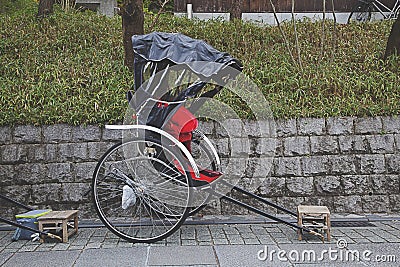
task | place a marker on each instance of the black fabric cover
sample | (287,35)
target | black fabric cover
(167,49)
(177,48)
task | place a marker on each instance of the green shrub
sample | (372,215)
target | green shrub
(69,67)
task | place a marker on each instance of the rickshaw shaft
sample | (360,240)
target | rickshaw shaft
(262,200)
(12,223)
(258,211)
(15,202)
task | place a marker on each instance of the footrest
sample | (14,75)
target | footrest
(314,217)
(66,221)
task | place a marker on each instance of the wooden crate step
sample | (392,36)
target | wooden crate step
(66,221)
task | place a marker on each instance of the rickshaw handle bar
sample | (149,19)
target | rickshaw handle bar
(15,202)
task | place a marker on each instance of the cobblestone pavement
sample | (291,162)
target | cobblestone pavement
(240,235)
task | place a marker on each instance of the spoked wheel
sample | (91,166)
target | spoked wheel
(361,13)
(132,182)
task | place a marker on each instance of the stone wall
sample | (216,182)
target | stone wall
(352,165)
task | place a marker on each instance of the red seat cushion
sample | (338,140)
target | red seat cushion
(182,124)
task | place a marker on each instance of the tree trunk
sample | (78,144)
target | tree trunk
(45,8)
(132,23)
(236,9)
(393,44)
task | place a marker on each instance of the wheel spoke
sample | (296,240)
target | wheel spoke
(157,194)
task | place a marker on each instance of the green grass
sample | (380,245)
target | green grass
(68,68)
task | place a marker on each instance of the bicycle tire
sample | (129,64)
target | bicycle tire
(128,166)
(361,12)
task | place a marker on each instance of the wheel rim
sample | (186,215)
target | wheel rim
(131,183)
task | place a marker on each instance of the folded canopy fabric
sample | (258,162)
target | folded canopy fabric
(176,48)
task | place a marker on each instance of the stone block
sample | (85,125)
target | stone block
(13,153)
(222,147)
(46,193)
(259,167)
(74,192)
(397,141)
(111,135)
(212,208)
(315,165)
(51,153)
(279,147)
(372,164)
(251,128)
(321,200)
(250,183)
(286,128)
(273,186)
(385,184)
(287,166)
(394,201)
(240,147)
(228,208)
(324,145)
(354,144)
(375,204)
(235,167)
(59,172)
(300,186)
(96,149)
(83,171)
(311,126)
(368,125)
(264,147)
(220,131)
(391,124)
(339,125)
(291,203)
(86,133)
(74,152)
(342,164)
(328,185)
(355,184)
(230,128)
(207,127)
(262,128)
(381,143)
(6,174)
(57,133)
(5,135)
(29,173)
(393,163)
(295,146)
(347,204)
(27,134)
(35,152)
(20,193)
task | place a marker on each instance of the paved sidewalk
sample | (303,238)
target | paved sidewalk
(253,244)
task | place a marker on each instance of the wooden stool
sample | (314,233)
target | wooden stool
(67,221)
(314,217)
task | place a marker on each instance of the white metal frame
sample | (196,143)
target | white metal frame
(184,150)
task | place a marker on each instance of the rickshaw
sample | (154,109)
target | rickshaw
(166,169)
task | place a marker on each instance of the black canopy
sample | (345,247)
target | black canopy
(176,48)
(168,49)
